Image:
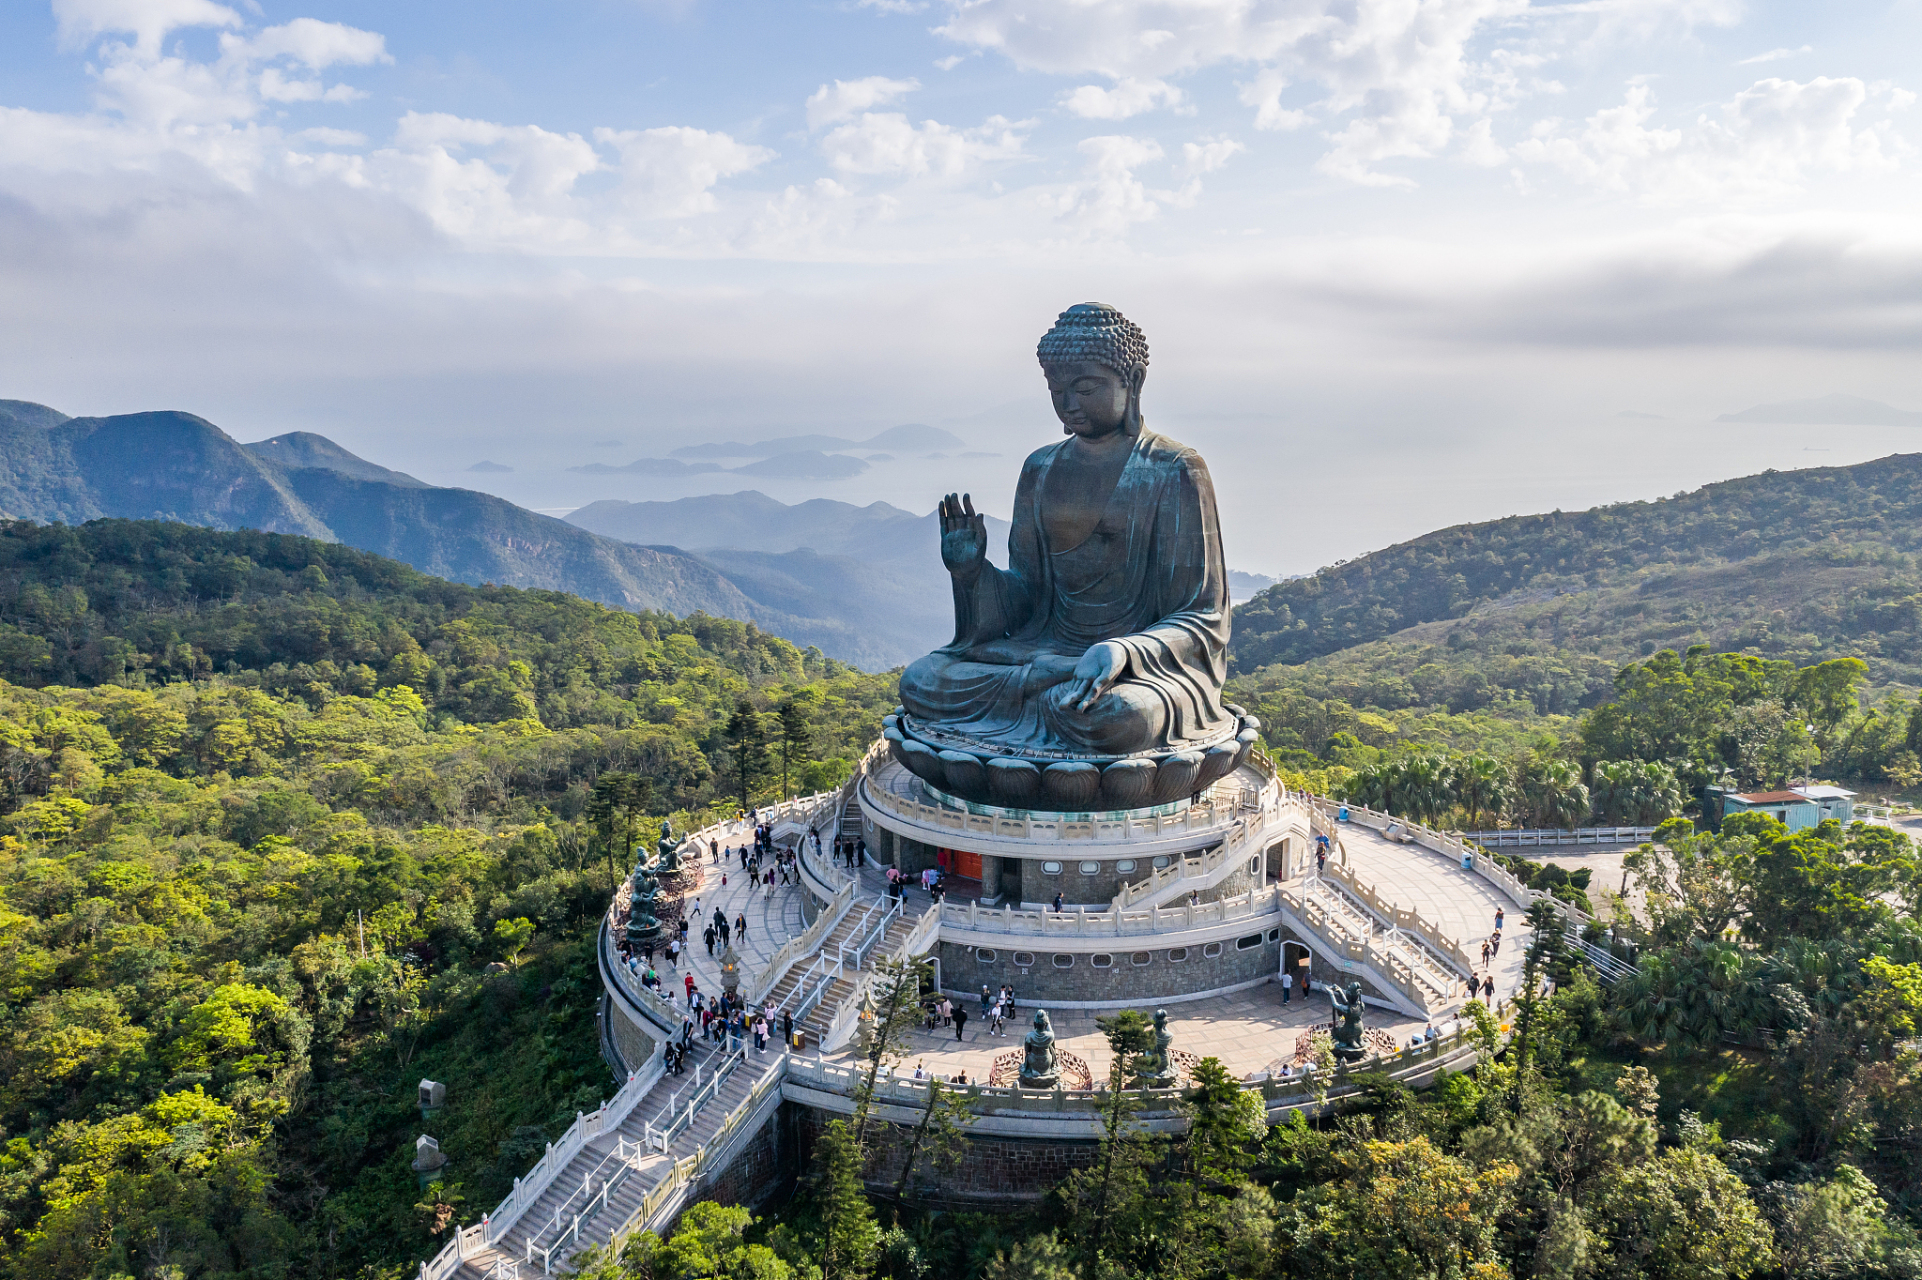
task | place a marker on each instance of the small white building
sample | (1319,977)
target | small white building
(1834,802)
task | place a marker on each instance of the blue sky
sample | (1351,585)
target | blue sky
(1401,262)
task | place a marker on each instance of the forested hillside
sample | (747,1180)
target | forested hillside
(1800,565)
(269,808)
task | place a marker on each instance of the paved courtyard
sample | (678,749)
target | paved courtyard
(1247,1030)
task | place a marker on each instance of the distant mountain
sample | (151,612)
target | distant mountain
(1808,565)
(764,448)
(1831,410)
(913,437)
(175,466)
(752,521)
(808,464)
(305,449)
(491,468)
(659,468)
(910,437)
(28,414)
(1245,586)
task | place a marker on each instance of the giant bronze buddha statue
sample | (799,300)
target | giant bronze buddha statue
(1088,673)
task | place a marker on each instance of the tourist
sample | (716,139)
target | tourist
(960,1021)
(740,926)
(673,951)
(960,1077)
(987,1000)
(947,1011)
(1484,953)
(1495,943)
(707,935)
(1307,982)
(1057,902)
(760,1035)
(787,1028)
(1498,921)
(1488,989)
(919,1073)
(1194,897)
(995,1017)
(1287,986)
(688,981)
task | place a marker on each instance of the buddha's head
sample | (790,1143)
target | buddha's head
(1095,360)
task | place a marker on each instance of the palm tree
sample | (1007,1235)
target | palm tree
(1425,787)
(1481,785)
(1552,793)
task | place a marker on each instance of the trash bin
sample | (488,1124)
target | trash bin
(800,1042)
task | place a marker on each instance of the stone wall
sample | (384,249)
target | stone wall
(1123,981)
(633,1043)
(991,1172)
(765,1168)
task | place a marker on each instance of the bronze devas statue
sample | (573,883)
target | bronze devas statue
(1088,673)
(1040,1064)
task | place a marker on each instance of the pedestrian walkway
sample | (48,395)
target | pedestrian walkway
(1247,1030)
(772,918)
(1461,903)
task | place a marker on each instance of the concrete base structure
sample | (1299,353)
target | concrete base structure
(1196,905)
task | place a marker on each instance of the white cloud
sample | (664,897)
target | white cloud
(1776,55)
(949,63)
(80,22)
(845,99)
(671,172)
(1767,140)
(486,182)
(314,44)
(1128,98)
(1396,77)
(887,142)
(1111,198)
(1207,155)
(1264,95)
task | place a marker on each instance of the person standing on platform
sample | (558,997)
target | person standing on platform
(1287,986)
(960,1021)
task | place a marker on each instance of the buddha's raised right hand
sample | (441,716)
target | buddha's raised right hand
(964,537)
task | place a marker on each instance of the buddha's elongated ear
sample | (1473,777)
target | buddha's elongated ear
(1132,422)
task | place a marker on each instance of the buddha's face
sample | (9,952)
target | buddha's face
(1091,400)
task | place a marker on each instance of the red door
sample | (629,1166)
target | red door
(967,865)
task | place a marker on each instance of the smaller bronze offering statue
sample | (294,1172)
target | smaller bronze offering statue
(1041,1069)
(1347,1033)
(670,851)
(1155,1067)
(643,926)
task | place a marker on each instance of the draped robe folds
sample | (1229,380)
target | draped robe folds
(1151,577)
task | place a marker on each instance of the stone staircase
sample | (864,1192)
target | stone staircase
(1433,974)
(802,979)
(605,1184)
(850,827)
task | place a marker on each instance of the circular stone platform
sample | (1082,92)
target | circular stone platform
(993,773)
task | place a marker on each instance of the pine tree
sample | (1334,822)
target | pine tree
(848,1232)
(796,737)
(747,734)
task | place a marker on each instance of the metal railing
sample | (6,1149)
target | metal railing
(564,1224)
(681,1114)
(868,934)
